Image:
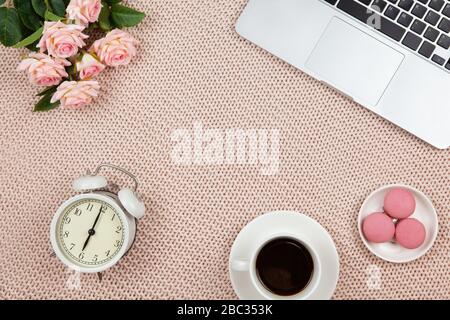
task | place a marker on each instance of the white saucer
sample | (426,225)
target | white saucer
(285,222)
(390,251)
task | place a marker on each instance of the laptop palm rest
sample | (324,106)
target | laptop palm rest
(354,62)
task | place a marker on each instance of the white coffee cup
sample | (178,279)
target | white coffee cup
(249,265)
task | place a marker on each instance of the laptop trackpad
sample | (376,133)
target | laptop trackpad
(354,62)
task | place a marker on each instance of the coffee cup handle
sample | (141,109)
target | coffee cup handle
(240,265)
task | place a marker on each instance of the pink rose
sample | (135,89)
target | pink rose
(89,67)
(84,11)
(116,48)
(61,40)
(44,70)
(75,95)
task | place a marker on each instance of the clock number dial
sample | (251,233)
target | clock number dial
(106,238)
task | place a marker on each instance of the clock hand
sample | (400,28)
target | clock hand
(96,219)
(91,231)
(87,241)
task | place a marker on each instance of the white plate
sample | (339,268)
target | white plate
(425,213)
(285,222)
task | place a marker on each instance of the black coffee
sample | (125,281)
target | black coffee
(284,266)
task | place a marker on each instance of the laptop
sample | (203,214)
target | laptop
(390,56)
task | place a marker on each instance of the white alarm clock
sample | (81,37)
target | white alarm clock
(92,231)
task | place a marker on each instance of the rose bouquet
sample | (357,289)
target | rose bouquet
(56,32)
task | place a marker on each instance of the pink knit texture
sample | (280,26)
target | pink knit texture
(192,66)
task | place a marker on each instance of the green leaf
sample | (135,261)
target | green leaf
(49,90)
(103,20)
(10,26)
(58,7)
(33,46)
(30,39)
(39,7)
(111,2)
(45,105)
(26,13)
(72,70)
(92,26)
(125,17)
(52,17)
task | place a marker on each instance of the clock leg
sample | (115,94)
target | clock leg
(100,276)
(52,254)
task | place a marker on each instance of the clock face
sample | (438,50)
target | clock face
(90,232)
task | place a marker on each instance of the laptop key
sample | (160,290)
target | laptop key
(436,4)
(438,59)
(444,25)
(366,16)
(419,10)
(447,66)
(406,4)
(392,12)
(446,10)
(332,2)
(379,5)
(412,41)
(444,41)
(405,19)
(431,34)
(432,17)
(427,49)
(418,26)
(366,2)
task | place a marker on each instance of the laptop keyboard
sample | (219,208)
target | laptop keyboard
(423,26)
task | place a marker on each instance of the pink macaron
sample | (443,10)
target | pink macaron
(410,233)
(399,203)
(378,227)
